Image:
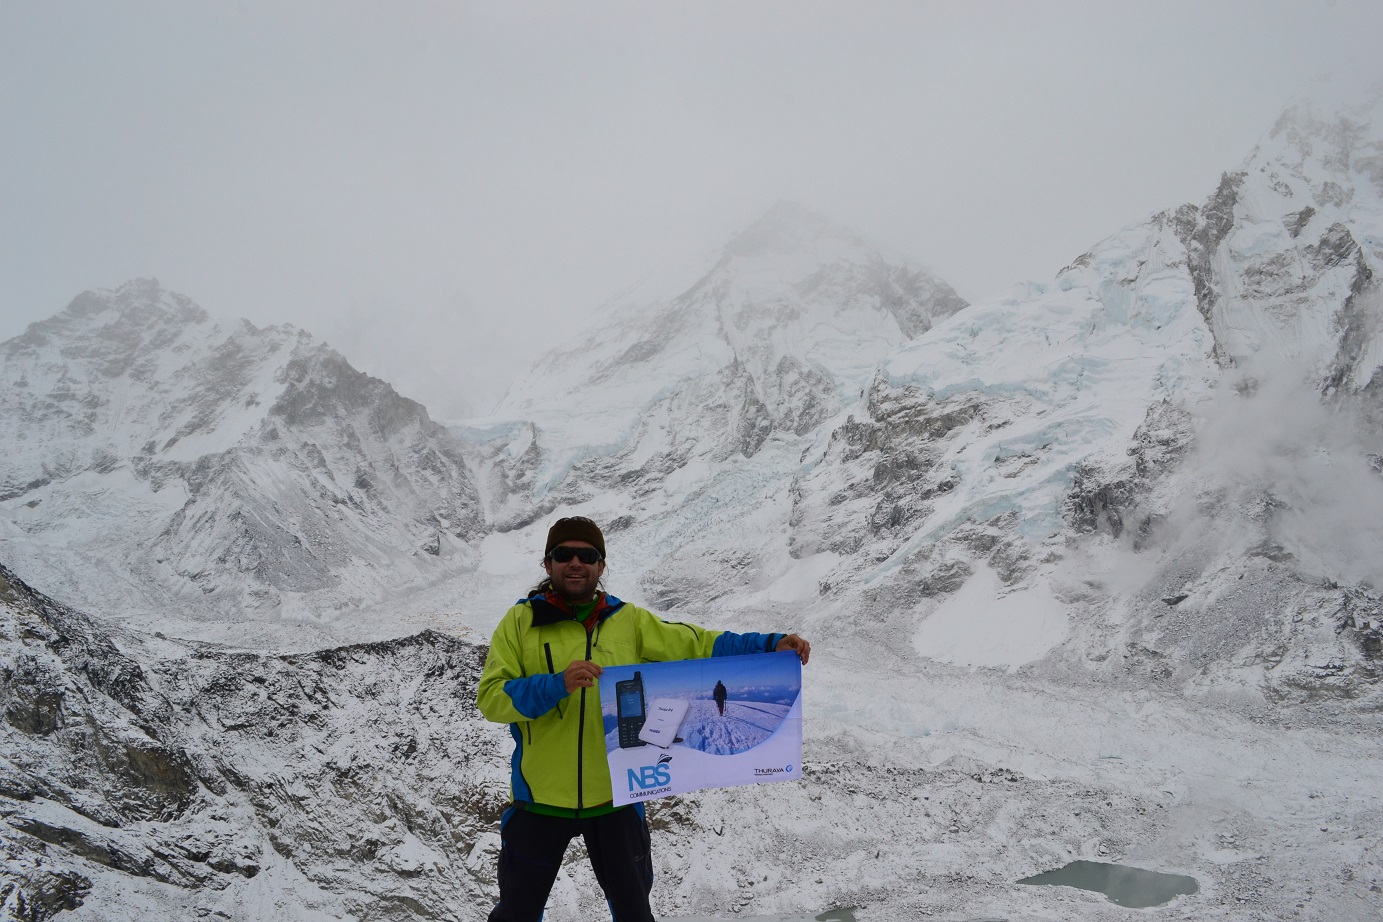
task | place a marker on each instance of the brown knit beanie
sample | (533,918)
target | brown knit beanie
(575,528)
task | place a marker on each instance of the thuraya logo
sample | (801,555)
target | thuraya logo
(650,776)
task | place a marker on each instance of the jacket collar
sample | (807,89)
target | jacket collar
(552,608)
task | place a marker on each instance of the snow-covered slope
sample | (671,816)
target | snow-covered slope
(678,418)
(203,468)
(1070,453)
(1146,490)
(1083,441)
(1090,569)
(783,330)
(360,782)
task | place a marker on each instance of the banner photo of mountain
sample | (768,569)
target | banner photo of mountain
(689,725)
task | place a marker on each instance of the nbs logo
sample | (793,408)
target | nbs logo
(650,776)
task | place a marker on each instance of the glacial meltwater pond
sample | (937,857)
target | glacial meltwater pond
(1131,887)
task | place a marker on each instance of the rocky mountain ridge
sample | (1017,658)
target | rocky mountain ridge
(186,787)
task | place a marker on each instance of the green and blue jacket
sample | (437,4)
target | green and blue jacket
(559,763)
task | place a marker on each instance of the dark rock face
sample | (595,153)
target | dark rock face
(891,456)
(35,890)
(1108,499)
(1202,231)
(1097,503)
(1356,320)
(85,737)
(67,685)
(1298,220)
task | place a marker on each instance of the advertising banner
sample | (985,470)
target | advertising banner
(704,723)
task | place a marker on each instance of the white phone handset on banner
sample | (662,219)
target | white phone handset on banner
(664,717)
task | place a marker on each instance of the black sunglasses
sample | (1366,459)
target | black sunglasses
(587,555)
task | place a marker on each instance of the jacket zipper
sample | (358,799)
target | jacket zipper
(581,742)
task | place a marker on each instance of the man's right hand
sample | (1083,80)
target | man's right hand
(581,674)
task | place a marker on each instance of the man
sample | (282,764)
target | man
(545,658)
(720,694)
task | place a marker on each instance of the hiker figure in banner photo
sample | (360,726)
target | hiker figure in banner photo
(545,659)
(720,694)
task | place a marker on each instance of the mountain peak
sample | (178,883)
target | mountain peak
(786,226)
(141,297)
(1338,140)
(129,312)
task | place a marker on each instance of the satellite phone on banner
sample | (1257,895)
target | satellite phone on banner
(630,711)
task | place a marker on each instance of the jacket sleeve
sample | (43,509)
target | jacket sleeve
(732,644)
(669,640)
(505,694)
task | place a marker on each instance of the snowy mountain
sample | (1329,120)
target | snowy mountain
(782,331)
(201,468)
(1090,570)
(1146,489)
(1193,401)
(683,416)
(1147,412)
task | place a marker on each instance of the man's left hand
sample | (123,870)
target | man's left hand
(798,643)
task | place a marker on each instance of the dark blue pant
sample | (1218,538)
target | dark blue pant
(531,850)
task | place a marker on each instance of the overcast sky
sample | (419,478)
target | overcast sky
(439,189)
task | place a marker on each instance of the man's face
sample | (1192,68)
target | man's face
(573,579)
